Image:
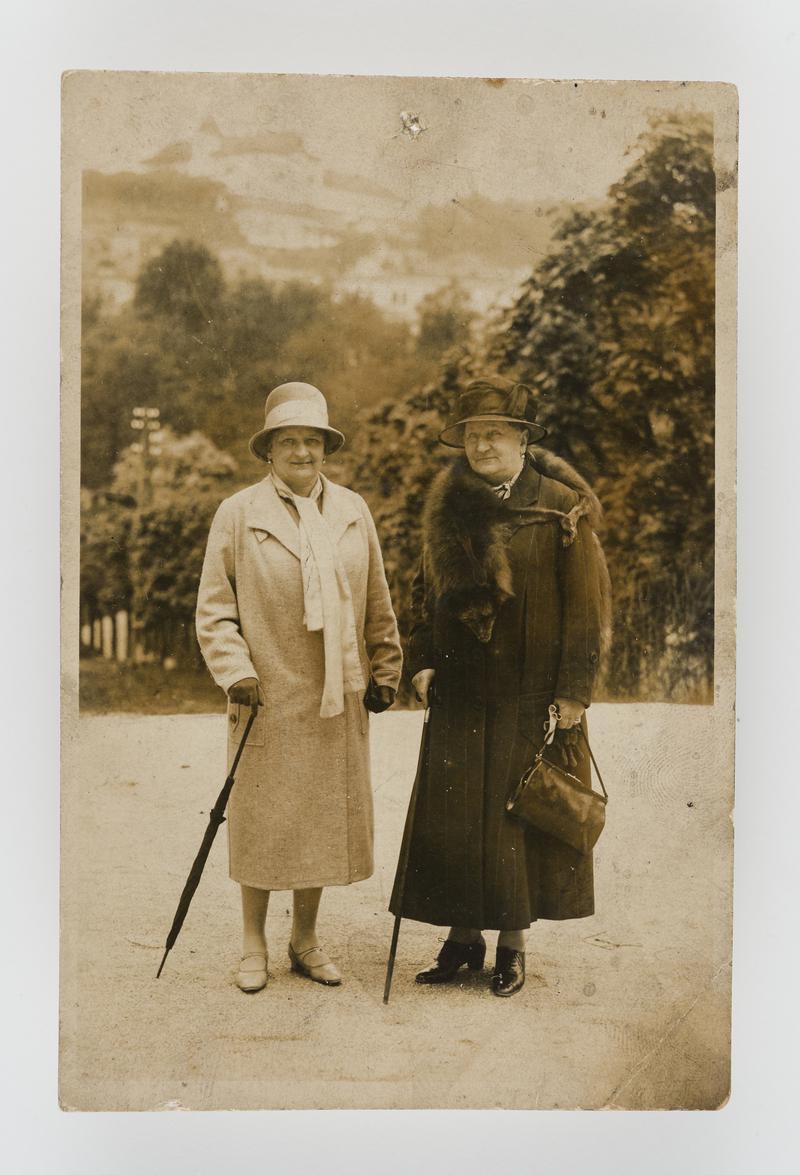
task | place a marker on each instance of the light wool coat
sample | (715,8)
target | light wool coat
(300,814)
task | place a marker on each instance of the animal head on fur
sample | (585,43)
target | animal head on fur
(479,614)
(560,470)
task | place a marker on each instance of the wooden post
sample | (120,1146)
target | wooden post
(121,643)
(86,626)
(107,631)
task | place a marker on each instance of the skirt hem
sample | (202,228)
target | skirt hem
(466,922)
(314,884)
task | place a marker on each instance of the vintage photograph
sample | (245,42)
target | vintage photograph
(398,555)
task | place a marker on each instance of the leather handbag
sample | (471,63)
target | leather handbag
(556,802)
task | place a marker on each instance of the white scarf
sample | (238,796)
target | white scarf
(327,599)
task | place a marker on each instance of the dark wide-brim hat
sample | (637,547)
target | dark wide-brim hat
(493,398)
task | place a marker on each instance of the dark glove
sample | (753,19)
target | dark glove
(379,697)
(246,692)
(569,748)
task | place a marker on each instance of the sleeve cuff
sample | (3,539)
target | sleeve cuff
(230,679)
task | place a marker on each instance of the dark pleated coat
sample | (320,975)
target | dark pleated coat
(465,861)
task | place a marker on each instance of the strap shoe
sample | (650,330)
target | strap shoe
(315,964)
(252,973)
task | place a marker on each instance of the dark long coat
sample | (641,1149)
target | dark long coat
(534,566)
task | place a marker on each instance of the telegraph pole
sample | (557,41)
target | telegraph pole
(146,422)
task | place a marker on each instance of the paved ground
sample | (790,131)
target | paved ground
(627,1009)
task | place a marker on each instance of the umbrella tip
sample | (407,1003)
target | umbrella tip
(163,961)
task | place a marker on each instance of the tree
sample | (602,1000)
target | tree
(163,351)
(214,379)
(355,355)
(184,283)
(105,585)
(614,330)
(142,541)
(392,461)
(445,321)
(120,368)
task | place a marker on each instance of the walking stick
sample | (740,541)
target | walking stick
(215,817)
(402,864)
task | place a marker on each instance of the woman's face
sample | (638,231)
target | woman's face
(297,456)
(494,448)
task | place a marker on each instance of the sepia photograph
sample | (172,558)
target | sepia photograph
(398,564)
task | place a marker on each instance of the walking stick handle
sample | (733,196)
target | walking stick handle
(240,748)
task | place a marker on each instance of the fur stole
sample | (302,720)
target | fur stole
(467,529)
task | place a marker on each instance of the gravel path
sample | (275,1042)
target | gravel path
(627,1009)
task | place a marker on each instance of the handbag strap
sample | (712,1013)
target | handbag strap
(551,730)
(594,761)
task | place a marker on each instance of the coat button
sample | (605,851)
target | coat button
(594,658)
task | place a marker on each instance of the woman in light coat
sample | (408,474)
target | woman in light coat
(294,615)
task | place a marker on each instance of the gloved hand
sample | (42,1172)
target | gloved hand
(246,692)
(569,748)
(422,683)
(569,721)
(379,697)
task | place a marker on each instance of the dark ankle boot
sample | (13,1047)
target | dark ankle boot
(509,971)
(452,956)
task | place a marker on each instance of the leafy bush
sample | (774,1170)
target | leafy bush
(615,332)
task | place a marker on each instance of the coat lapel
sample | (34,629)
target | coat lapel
(339,508)
(526,489)
(266,514)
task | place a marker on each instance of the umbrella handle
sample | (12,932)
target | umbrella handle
(240,748)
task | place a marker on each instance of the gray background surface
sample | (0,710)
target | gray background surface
(753,45)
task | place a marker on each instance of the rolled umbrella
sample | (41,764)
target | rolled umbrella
(402,864)
(215,817)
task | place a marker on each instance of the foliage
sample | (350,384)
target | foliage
(614,329)
(143,540)
(445,321)
(615,332)
(106,687)
(105,582)
(183,284)
(206,355)
(392,461)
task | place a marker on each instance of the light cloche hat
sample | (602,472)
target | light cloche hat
(295,404)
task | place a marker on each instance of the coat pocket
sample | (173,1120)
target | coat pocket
(237,721)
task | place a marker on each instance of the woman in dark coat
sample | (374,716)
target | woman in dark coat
(511,607)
